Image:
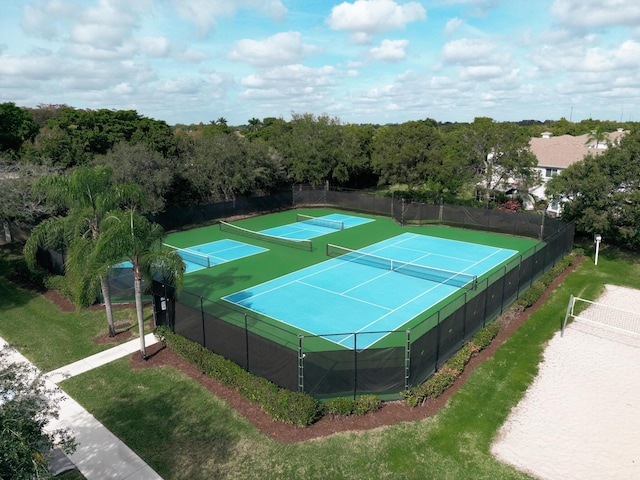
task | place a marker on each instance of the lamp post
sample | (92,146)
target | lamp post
(597,238)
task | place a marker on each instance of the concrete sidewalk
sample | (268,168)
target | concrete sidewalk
(100,454)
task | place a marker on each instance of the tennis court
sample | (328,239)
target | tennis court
(307,227)
(215,253)
(376,289)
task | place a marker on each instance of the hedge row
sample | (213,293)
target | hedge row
(293,408)
(345,406)
(536,290)
(453,368)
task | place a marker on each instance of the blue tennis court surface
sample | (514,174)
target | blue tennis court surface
(338,295)
(311,227)
(214,253)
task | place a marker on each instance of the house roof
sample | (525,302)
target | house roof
(562,151)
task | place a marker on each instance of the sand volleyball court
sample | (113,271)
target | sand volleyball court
(580,418)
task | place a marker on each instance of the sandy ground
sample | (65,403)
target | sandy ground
(580,418)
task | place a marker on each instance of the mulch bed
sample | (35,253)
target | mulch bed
(390,413)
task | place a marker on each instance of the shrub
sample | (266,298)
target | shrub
(345,406)
(339,406)
(365,404)
(484,337)
(459,360)
(61,285)
(294,408)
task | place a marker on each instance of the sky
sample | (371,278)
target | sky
(362,61)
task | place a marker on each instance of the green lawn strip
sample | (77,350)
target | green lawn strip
(172,422)
(47,336)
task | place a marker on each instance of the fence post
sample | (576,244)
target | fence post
(392,202)
(407,360)
(204,343)
(301,356)
(246,341)
(355,365)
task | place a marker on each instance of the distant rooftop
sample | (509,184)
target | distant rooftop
(562,151)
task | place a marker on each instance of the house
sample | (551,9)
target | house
(555,154)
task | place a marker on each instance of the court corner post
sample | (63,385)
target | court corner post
(566,316)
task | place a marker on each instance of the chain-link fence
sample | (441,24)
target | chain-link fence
(295,362)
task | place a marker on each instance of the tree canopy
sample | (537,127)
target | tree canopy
(27,406)
(602,193)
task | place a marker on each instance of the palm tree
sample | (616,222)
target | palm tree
(130,235)
(85,197)
(599,135)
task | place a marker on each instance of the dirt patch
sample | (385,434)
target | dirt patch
(390,413)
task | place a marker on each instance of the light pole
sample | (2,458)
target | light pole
(597,238)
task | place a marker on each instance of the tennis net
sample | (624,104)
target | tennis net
(456,279)
(191,255)
(320,222)
(304,244)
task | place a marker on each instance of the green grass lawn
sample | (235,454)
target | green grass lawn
(183,431)
(45,335)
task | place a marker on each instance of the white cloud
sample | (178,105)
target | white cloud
(204,13)
(481,72)
(300,86)
(179,86)
(596,13)
(41,19)
(33,67)
(452,26)
(365,18)
(468,50)
(280,49)
(155,46)
(390,51)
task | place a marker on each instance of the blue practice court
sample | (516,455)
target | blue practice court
(349,294)
(214,253)
(310,227)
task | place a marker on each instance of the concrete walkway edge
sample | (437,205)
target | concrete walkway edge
(100,454)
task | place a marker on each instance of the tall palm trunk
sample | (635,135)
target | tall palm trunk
(108,306)
(137,287)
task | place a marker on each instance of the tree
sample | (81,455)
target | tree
(16,127)
(222,166)
(601,194)
(405,154)
(20,204)
(27,406)
(598,135)
(140,164)
(129,235)
(500,154)
(84,200)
